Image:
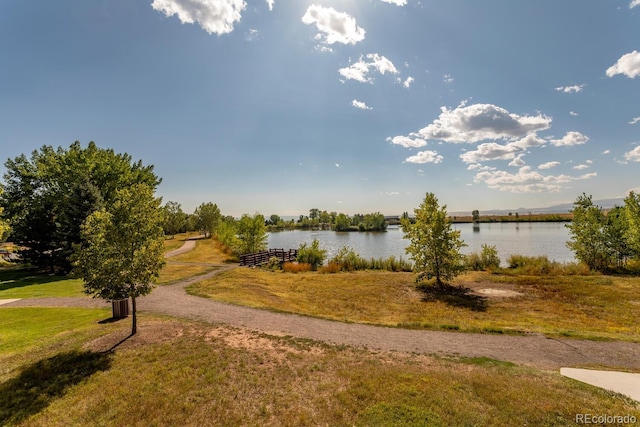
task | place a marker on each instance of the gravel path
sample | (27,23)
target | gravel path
(533,350)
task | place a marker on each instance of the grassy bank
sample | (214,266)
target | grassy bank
(579,306)
(186,373)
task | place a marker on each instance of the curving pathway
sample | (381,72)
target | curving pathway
(533,350)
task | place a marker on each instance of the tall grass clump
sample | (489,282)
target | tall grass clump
(349,260)
(487,259)
(534,265)
(296,267)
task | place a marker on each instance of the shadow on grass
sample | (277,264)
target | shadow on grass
(455,296)
(39,384)
(19,278)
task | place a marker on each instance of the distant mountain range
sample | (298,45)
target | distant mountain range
(562,208)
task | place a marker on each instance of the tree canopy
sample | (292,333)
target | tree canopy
(207,217)
(122,251)
(49,195)
(434,246)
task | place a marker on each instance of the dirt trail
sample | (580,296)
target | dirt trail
(533,350)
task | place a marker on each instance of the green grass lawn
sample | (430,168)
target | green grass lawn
(579,306)
(191,374)
(19,283)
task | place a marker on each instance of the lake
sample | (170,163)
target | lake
(524,238)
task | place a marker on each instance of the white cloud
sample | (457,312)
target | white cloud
(634,3)
(517,161)
(581,167)
(606,152)
(489,151)
(425,157)
(531,140)
(407,142)
(407,82)
(337,165)
(633,155)
(214,16)
(479,122)
(573,113)
(628,64)
(447,78)
(635,119)
(392,193)
(571,138)
(400,2)
(333,26)
(270,4)
(361,105)
(526,180)
(570,89)
(360,70)
(549,165)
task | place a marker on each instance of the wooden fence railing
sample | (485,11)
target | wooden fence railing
(262,257)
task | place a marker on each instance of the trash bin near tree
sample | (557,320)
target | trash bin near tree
(120,308)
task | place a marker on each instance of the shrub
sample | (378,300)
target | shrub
(311,254)
(533,264)
(296,267)
(349,260)
(487,259)
(331,268)
(273,264)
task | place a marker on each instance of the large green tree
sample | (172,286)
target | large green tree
(122,251)
(632,217)
(49,195)
(588,237)
(208,217)
(4,225)
(174,218)
(252,233)
(434,246)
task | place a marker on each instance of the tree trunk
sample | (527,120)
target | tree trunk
(134,321)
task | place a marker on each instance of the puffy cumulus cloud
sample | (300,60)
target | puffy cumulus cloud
(361,105)
(214,16)
(448,78)
(571,138)
(480,122)
(404,2)
(407,142)
(489,151)
(549,165)
(517,162)
(425,157)
(633,155)
(531,140)
(634,3)
(360,71)
(570,89)
(333,26)
(573,113)
(635,119)
(526,180)
(270,4)
(628,64)
(581,167)
(407,82)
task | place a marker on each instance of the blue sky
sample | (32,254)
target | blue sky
(352,106)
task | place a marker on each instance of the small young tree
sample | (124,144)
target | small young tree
(434,246)
(123,250)
(311,254)
(632,219)
(588,239)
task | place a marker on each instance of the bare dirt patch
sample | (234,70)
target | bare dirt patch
(149,332)
(497,293)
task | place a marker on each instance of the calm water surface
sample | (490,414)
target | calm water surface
(536,238)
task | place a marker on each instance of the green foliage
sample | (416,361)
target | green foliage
(533,264)
(487,259)
(434,246)
(312,255)
(252,233)
(273,264)
(227,235)
(349,260)
(475,215)
(632,219)
(207,217)
(123,249)
(49,195)
(174,219)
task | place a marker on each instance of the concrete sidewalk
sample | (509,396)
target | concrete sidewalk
(619,382)
(8,301)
